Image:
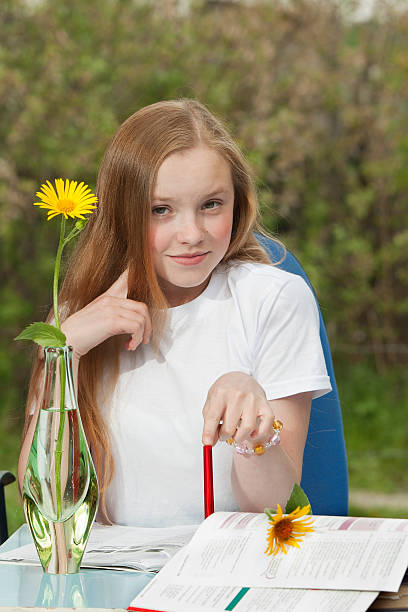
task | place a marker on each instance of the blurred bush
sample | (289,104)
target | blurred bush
(318,103)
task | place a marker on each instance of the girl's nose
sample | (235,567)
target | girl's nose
(190,230)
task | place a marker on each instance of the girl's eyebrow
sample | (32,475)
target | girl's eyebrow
(218,192)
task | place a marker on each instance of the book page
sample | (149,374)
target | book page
(173,597)
(229,550)
(120,547)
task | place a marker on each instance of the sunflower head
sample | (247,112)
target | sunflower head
(287,530)
(69,199)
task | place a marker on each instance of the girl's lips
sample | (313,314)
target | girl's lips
(189,261)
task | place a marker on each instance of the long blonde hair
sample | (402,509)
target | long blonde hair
(117,237)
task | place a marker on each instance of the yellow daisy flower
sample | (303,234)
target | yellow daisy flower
(287,529)
(70,200)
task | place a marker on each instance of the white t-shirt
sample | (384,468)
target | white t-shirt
(252,318)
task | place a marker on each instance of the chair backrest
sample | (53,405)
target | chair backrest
(324,476)
(5,479)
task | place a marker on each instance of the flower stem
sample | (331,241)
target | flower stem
(72,234)
(58,451)
(56,272)
(62,372)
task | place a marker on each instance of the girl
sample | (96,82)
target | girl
(183,330)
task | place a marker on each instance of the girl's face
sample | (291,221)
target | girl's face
(192,212)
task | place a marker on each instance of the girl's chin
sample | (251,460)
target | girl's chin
(186,281)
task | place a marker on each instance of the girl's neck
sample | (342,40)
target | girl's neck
(184,295)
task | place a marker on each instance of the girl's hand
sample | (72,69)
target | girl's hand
(240,403)
(110,314)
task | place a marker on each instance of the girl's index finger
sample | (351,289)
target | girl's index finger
(120,286)
(119,289)
(212,416)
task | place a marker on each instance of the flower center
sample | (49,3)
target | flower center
(284,529)
(66,205)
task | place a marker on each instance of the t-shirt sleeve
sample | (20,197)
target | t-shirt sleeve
(288,356)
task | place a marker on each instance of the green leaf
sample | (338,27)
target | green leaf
(298,498)
(43,334)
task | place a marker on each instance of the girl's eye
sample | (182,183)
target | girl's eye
(213,202)
(158,208)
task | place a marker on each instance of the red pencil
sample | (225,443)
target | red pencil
(208,481)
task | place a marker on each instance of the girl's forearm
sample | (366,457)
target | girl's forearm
(264,481)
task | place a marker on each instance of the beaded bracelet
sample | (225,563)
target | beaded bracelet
(259,449)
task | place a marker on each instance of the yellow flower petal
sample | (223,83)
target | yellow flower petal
(67,198)
(287,530)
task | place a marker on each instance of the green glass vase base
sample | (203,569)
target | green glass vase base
(61,545)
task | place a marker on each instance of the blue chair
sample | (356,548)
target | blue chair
(325,476)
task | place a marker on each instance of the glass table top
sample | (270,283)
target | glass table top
(27,585)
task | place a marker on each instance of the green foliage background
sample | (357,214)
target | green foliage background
(319,105)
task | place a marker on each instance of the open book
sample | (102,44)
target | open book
(341,566)
(117,547)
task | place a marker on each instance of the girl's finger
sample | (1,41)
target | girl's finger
(125,306)
(264,430)
(248,422)
(120,287)
(140,308)
(135,326)
(231,421)
(133,342)
(212,412)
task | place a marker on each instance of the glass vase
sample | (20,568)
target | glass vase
(60,489)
